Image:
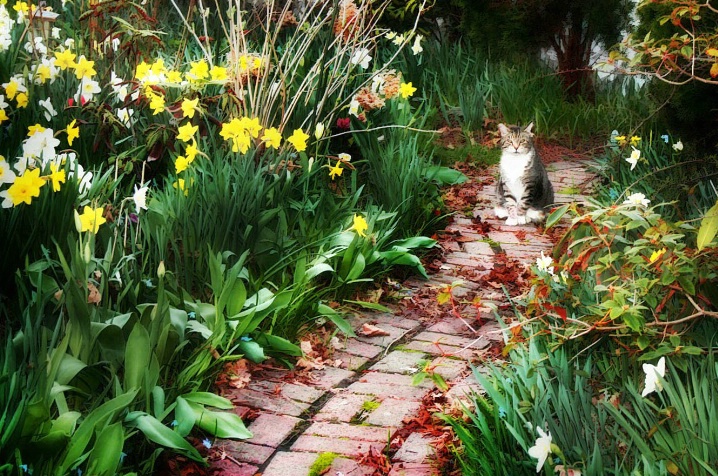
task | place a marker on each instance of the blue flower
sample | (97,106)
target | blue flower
(192,315)
(79,472)
(207,444)
(123,455)
(613,194)
(25,469)
(665,138)
(502,412)
(148,282)
(174,423)
(245,339)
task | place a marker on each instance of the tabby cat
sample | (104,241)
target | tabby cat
(524,189)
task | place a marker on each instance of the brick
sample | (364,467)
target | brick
(393,320)
(362,349)
(503,237)
(465,389)
(349,467)
(492,331)
(346,431)
(454,326)
(415,449)
(271,430)
(453,340)
(434,349)
(321,444)
(271,403)
(349,361)
(449,369)
(387,379)
(292,391)
(479,248)
(395,334)
(330,377)
(392,412)
(399,362)
(341,407)
(390,391)
(248,453)
(285,464)
(412,469)
(227,467)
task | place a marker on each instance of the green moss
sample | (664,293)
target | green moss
(569,191)
(322,463)
(370,405)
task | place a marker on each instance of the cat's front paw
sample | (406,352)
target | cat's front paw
(512,221)
(501,212)
(535,216)
(521,220)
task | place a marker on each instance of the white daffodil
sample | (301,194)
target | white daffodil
(678,146)
(637,199)
(633,159)
(544,264)
(319,130)
(124,114)
(416,47)
(49,110)
(344,157)
(6,173)
(541,448)
(354,107)
(361,57)
(652,372)
(88,89)
(140,198)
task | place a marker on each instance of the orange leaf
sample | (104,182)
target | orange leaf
(712,51)
(714,70)
(372,331)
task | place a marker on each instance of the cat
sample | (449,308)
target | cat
(524,190)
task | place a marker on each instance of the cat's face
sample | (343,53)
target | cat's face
(516,140)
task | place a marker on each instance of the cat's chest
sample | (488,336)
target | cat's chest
(513,167)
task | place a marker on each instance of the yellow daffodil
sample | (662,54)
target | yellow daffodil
(407,90)
(656,254)
(198,71)
(92,218)
(188,107)
(635,140)
(236,131)
(21,100)
(32,130)
(181,164)
(25,187)
(56,177)
(191,151)
(11,89)
(3,116)
(336,171)
(65,59)
(272,137)
(142,71)
(85,68)
(180,184)
(43,73)
(73,132)
(186,132)
(360,225)
(174,76)
(157,103)
(218,73)
(299,140)
(621,140)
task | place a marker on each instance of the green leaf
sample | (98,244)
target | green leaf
(687,284)
(418,378)
(439,382)
(158,433)
(210,399)
(445,175)
(415,242)
(184,416)
(276,344)
(709,227)
(556,215)
(374,306)
(252,350)
(341,323)
(220,424)
(106,453)
(318,269)
(643,342)
(137,357)
(691,350)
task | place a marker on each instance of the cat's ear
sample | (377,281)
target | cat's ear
(503,129)
(529,127)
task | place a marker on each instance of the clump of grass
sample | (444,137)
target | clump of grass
(322,464)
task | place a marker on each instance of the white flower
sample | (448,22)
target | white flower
(637,199)
(633,159)
(541,449)
(3,104)
(417,48)
(354,107)
(125,116)
(55,33)
(49,111)
(88,89)
(361,57)
(344,157)
(115,44)
(652,372)
(69,43)
(398,40)
(140,198)
(319,130)
(544,264)
(678,146)
(6,173)
(39,145)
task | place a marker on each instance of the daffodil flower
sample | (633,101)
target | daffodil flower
(652,382)
(406,90)
(633,159)
(545,264)
(299,140)
(655,255)
(637,199)
(336,171)
(678,146)
(91,219)
(186,132)
(541,448)
(360,225)
(140,198)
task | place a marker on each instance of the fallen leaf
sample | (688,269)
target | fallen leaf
(94,296)
(370,330)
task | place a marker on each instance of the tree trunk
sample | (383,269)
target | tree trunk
(573,51)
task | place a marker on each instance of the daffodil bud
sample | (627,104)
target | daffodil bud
(87,252)
(161,270)
(78,223)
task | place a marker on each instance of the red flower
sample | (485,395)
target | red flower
(70,102)
(343,123)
